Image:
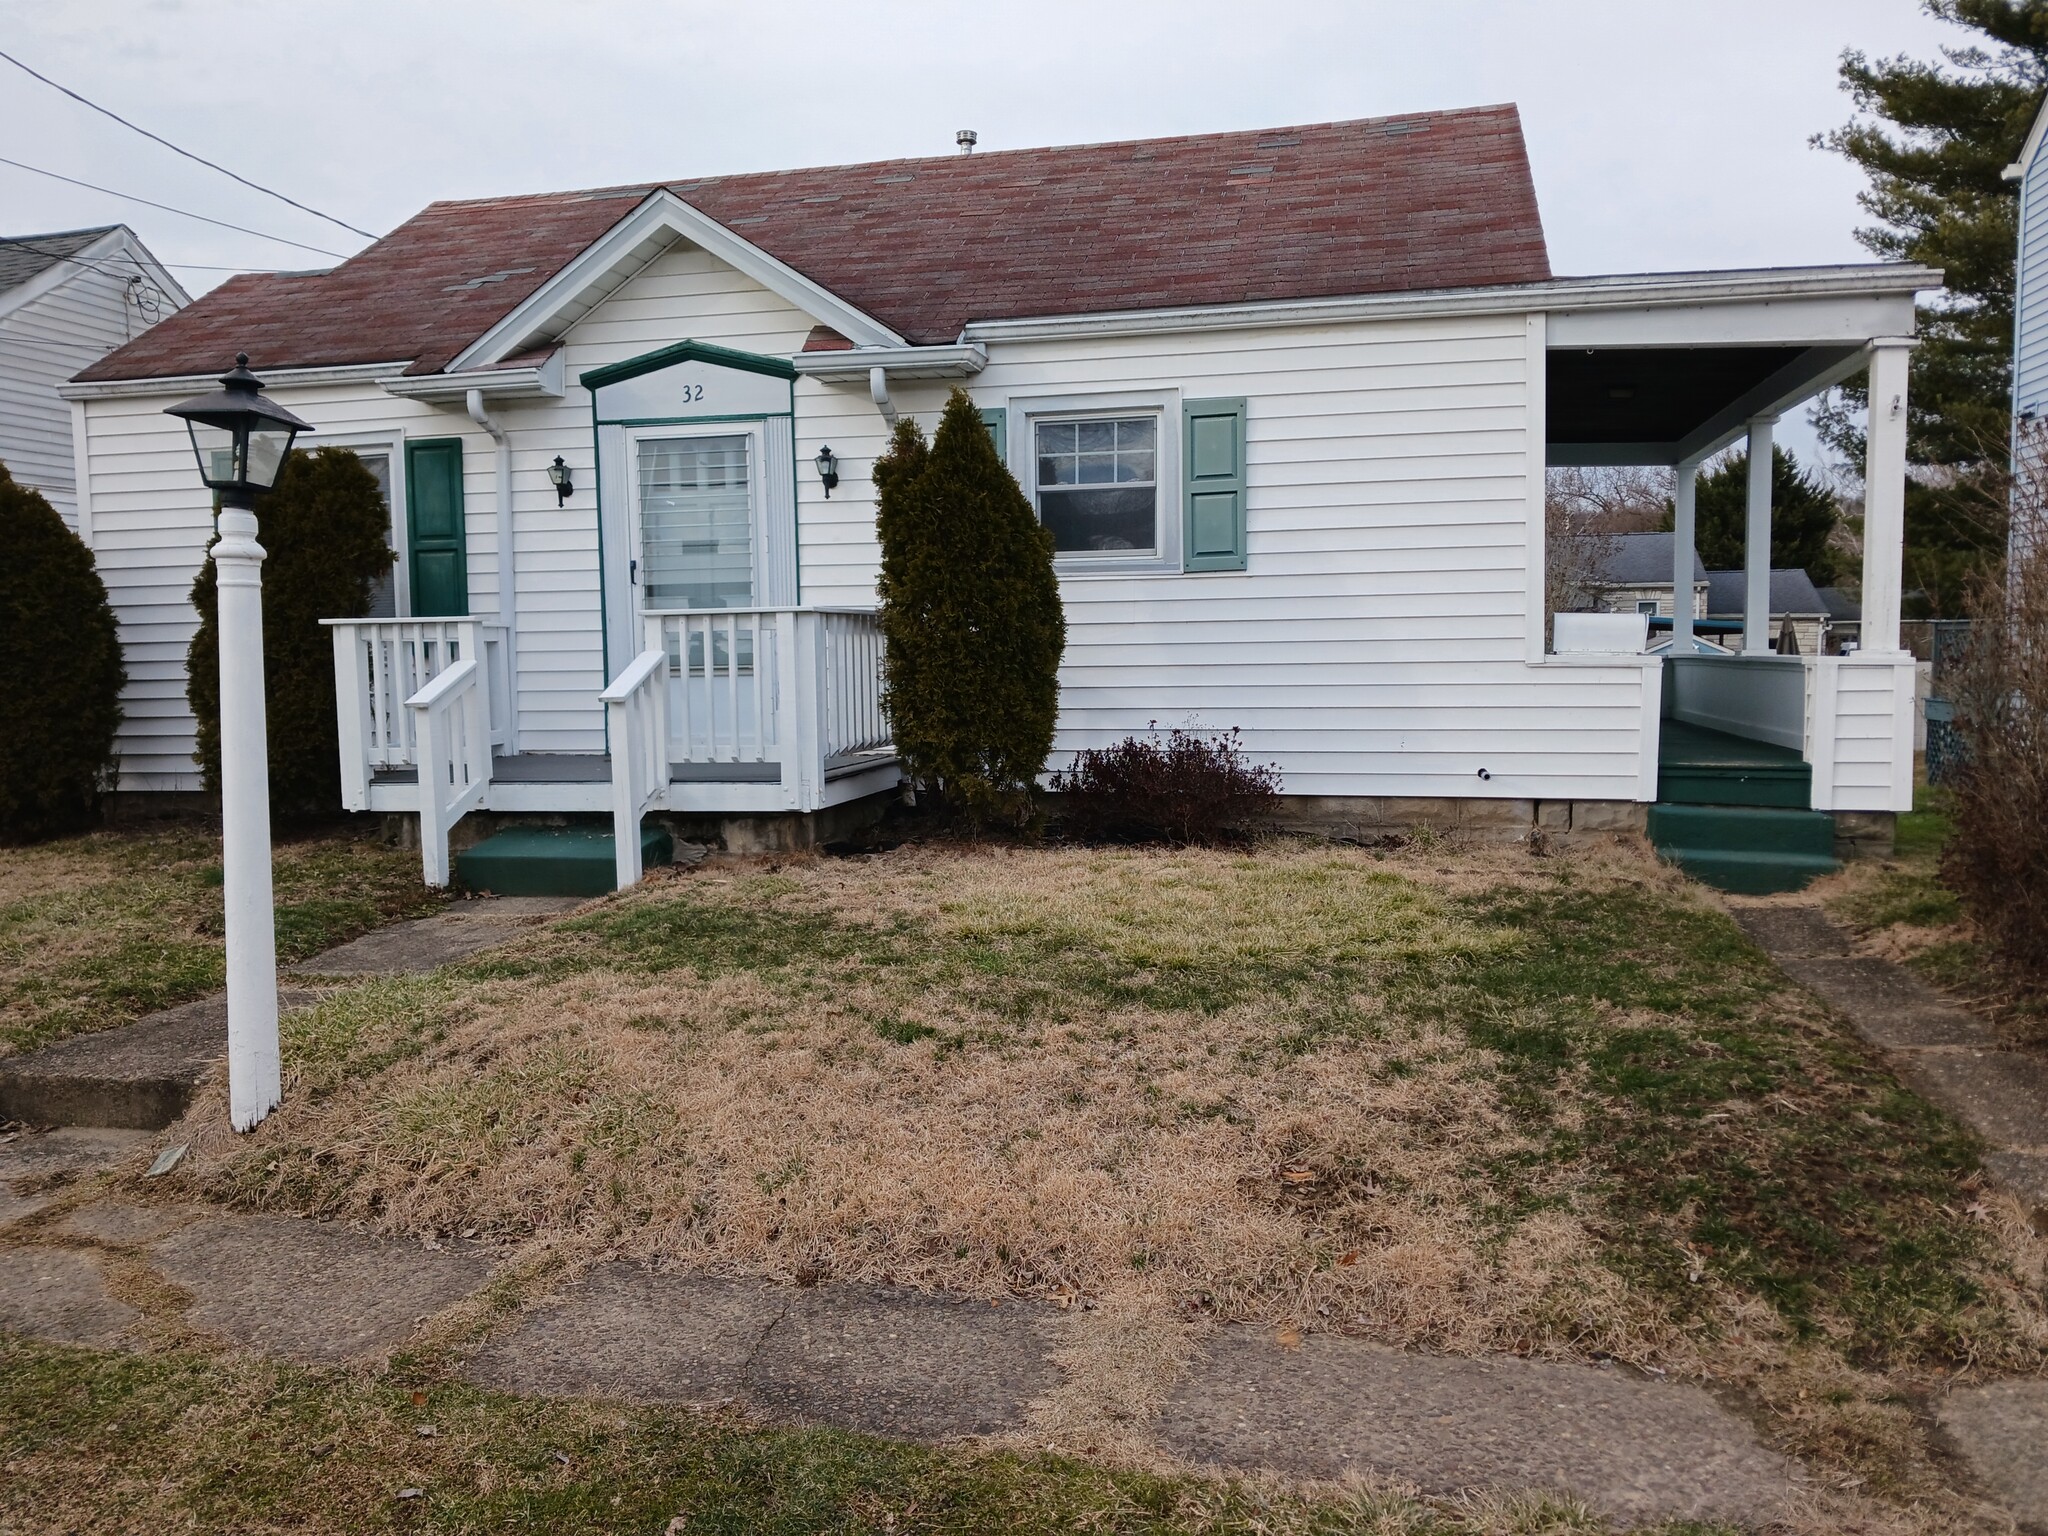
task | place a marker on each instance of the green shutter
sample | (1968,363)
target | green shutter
(1212,485)
(997,419)
(439,561)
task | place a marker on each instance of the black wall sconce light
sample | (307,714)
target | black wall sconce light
(558,477)
(828,470)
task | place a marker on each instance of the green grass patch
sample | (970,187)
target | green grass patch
(97,931)
(1732,1140)
(180,1440)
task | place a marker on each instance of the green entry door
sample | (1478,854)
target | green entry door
(437,560)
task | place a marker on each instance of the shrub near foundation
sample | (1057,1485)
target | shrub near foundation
(970,616)
(1186,789)
(323,531)
(60,689)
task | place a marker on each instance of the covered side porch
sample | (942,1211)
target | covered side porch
(1764,761)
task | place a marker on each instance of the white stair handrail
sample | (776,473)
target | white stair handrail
(454,744)
(636,721)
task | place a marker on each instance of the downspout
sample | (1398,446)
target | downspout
(508,610)
(878,388)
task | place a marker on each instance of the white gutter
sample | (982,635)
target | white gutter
(508,612)
(849,365)
(540,381)
(273,378)
(1858,281)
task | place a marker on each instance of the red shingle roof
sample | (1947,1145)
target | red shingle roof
(1383,205)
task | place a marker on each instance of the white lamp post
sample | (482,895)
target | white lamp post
(241,441)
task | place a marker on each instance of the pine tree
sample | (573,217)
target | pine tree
(1934,139)
(323,529)
(1803,516)
(970,616)
(60,691)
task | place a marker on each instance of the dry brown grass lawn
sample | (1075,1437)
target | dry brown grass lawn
(1460,1099)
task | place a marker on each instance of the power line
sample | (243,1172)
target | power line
(167,208)
(167,144)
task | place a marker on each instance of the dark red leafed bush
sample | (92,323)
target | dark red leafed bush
(1185,787)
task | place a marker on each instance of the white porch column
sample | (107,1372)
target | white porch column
(1684,541)
(1884,495)
(1756,543)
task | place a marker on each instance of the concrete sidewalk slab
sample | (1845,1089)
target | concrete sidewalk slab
(2002,1432)
(36,1167)
(2002,1095)
(896,1362)
(141,1076)
(1783,931)
(312,1290)
(622,1331)
(428,943)
(59,1294)
(1633,1450)
(1888,1004)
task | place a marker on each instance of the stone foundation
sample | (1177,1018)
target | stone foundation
(1865,834)
(1363,817)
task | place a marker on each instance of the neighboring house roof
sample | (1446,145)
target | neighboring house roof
(1792,592)
(1642,560)
(24,256)
(1840,606)
(1383,205)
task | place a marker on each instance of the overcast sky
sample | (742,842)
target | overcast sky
(1663,135)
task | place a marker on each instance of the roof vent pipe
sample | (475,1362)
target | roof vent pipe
(967,138)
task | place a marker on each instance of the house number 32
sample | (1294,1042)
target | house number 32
(693,392)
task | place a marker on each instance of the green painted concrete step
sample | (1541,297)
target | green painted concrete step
(1697,766)
(1753,850)
(553,861)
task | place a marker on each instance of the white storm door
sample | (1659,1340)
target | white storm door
(696,518)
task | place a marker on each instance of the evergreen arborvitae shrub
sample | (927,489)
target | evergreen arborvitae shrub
(323,529)
(60,687)
(970,615)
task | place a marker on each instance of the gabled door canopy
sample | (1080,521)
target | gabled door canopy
(625,250)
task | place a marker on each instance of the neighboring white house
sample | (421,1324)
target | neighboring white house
(1800,621)
(1285,398)
(2030,334)
(66,300)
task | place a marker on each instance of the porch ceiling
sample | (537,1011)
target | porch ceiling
(1657,405)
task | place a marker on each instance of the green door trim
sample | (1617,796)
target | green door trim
(436,540)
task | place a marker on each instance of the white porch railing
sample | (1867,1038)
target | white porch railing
(454,747)
(636,723)
(796,689)
(379,664)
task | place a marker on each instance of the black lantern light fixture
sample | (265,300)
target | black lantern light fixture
(828,469)
(239,438)
(558,477)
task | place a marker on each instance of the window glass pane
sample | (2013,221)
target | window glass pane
(384,595)
(1097,484)
(696,523)
(1112,520)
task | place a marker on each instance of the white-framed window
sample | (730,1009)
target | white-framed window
(384,457)
(1103,473)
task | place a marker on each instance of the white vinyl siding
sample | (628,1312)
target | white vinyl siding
(70,325)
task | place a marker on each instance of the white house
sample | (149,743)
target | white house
(1285,398)
(2030,332)
(67,299)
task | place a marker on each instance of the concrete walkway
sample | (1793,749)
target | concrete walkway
(1958,1061)
(143,1076)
